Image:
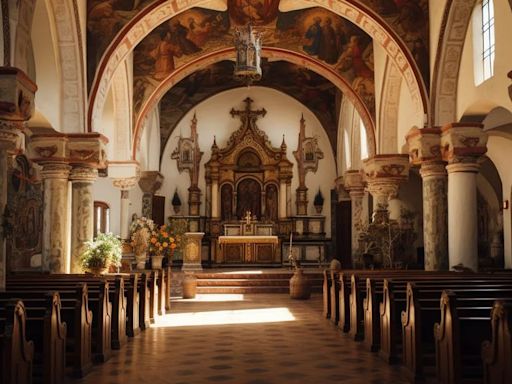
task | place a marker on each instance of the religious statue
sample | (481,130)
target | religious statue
(248,217)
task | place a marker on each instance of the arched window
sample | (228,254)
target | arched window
(101,217)
(364,141)
(483,41)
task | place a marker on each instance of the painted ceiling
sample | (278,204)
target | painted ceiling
(315,92)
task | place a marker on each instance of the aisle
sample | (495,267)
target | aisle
(250,339)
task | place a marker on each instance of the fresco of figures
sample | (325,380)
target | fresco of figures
(316,32)
(309,88)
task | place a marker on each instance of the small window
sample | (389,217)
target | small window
(364,141)
(101,218)
(488,38)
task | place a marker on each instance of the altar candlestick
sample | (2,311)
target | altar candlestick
(291,240)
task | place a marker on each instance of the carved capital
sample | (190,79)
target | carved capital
(433,169)
(84,174)
(386,168)
(383,191)
(55,171)
(424,144)
(17,96)
(125,183)
(9,134)
(353,181)
(463,142)
(150,181)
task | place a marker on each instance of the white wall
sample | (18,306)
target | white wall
(283,117)
(408,116)
(493,92)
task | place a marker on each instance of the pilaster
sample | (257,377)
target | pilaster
(149,183)
(125,184)
(353,183)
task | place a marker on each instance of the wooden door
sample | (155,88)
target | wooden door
(158,210)
(344,233)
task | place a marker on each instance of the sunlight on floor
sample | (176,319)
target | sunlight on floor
(213,297)
(237,316)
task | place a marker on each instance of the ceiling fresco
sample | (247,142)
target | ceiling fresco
(315,32)
(315,92)
(408,18)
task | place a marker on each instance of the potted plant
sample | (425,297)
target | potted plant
(176,202)
(318,202)
(161,244)
(141,229)
(98,255)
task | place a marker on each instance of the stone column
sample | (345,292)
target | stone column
(353,183)
(383,174)
(149,183)
(82,212)
(16,107)
(125,184)
(462,144)
(192,252)
(435,211)
(56,256)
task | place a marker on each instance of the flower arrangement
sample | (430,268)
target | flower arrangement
(162,242)
(105,250)
(141,229)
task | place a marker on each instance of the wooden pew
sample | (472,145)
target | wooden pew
(168,288)
(16,352)
(144,301)
(464,325)
(47,331)
(335,297)
(153,295)
(422,312)
(497,353)
(326,294)
(162,292)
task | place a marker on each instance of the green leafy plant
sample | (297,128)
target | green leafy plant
(105,250)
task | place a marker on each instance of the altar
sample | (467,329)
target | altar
(248,250)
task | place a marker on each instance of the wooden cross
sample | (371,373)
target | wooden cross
(248,114)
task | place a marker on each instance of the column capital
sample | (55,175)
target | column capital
(431,169)
(46,145)
(463,142)
(17,96)
(384,173)
(353,181)
(470,167)
(150,181)
(125,184)
(424,144)
(9,134)
(55,171)
(83,174)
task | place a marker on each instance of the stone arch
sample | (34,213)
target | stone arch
(388,110)
(122,96)
(456,19)
(161,10)
(271,53)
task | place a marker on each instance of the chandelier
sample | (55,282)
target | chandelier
(248,54)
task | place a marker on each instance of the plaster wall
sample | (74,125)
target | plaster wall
(408,116)
(498,150)
(436,12)
(380,60)
(283,118)
(476,100)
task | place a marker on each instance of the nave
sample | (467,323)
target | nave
(243,339)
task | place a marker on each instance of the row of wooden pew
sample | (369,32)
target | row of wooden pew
(60,324)
(456,327)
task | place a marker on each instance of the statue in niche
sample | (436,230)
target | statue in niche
(271,203)
(248,198)
(226,202)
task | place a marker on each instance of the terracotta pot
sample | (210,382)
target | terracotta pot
(299,286)
(189,286)
(97,271)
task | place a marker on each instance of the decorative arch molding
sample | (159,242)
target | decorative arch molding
(71,58)
(160,11)
(123,102)
(271,53)
(21,14)
(387,128)
(456,19)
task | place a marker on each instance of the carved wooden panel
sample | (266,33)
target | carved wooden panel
(233,253)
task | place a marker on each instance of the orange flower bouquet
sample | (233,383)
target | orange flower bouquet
(162,242)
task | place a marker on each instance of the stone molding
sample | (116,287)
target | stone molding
(463,142)
(55,171)
(150,181)
(83,174)
(434,169)
(125,183)
(472,167)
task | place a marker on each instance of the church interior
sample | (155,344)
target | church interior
(198,191)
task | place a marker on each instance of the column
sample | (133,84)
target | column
(215,198)
(289,199)
(125,184)
(82,212)
(56,257)
(353,183)
(17,101)
(462,144)
(435,211)
(149,183)
(282,199)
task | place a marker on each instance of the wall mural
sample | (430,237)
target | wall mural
(315,92)
(409,18)
(104,19)
(315,31)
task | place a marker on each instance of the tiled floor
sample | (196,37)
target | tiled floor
(251,339)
